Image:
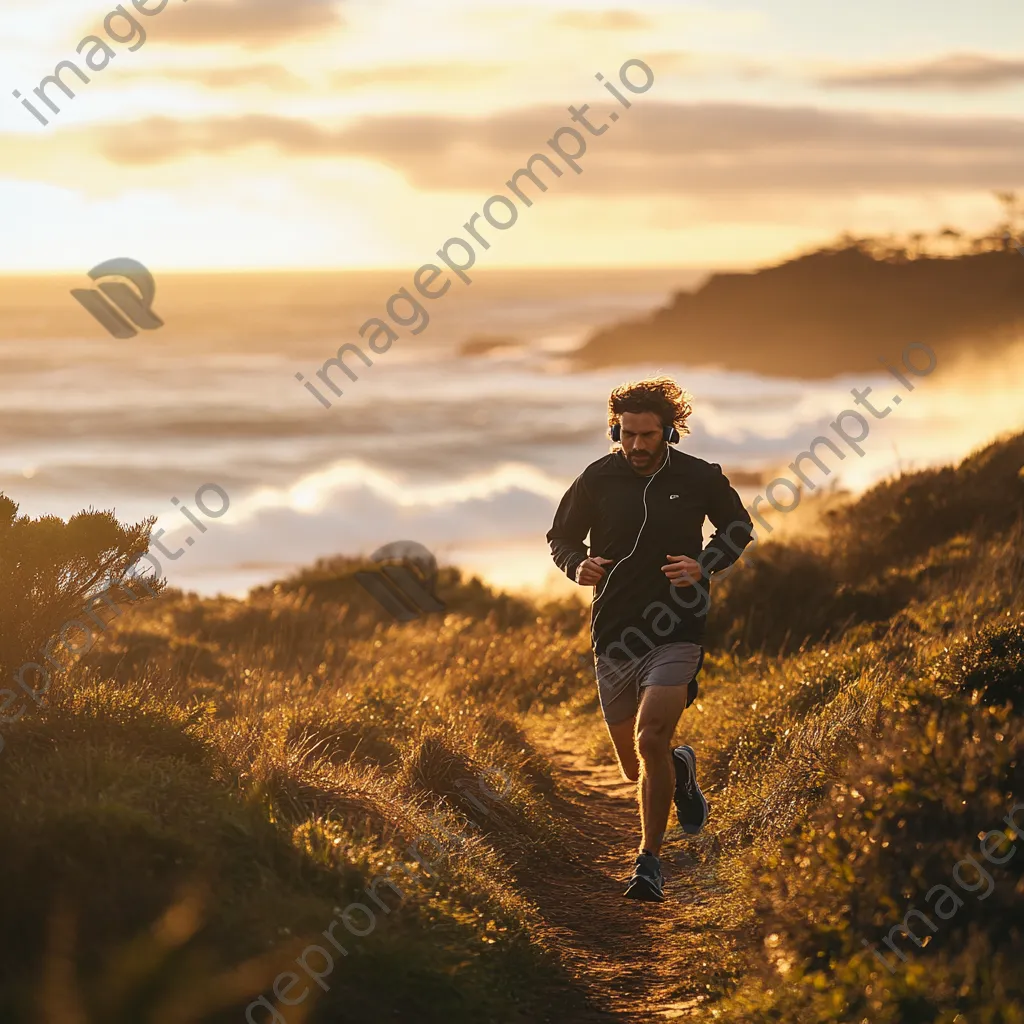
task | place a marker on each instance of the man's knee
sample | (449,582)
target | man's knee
(630,772)
(652,741)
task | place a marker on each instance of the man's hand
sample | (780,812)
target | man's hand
(589,571)
(682,570)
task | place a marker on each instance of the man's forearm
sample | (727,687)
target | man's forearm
(568,556)
(570,528)
(723,550)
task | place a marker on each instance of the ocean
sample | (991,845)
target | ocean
(467,454)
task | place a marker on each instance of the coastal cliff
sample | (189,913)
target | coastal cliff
(825,313)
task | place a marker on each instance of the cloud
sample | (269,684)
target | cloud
(660,147)
(602,21)
(694,65)
(271,76)
(279,77)
(455,73)
(954,71)
(250,22)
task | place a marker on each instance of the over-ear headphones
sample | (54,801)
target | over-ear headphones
(668,433)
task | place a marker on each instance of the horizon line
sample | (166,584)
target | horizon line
(513,268)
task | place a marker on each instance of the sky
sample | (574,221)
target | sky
(344,134)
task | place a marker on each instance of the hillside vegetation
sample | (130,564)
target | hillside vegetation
(214,782)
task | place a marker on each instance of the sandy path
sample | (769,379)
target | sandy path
(634,961)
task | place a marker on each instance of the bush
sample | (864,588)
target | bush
(51,570)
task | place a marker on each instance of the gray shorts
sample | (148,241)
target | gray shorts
(619,683)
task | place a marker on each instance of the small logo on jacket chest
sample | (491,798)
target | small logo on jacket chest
(671,496)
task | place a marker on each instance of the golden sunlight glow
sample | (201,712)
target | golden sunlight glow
(354,135)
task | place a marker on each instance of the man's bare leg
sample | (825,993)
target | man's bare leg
(660,708)
(623,736)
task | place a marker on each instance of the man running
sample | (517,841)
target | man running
(644,507)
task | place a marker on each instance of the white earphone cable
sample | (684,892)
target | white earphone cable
(636,543)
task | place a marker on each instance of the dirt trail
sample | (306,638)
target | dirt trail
(634,961)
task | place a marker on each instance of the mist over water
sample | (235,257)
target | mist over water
(467,455)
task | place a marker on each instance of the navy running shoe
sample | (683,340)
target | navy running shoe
(646,882)
(691,807)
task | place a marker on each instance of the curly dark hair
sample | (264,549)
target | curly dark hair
(660,395)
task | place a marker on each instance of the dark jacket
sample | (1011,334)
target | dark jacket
(635,605)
